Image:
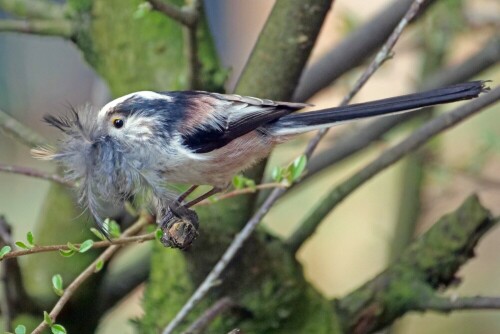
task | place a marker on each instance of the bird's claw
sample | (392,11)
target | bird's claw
(179,226)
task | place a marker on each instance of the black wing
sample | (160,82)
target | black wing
(233,116)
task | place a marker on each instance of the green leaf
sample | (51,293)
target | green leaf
(158,234)
(142,10)
(98,266)
(114,229)
(47,319)
(67,253)
(299,165)
(72,247)
(58,329)
(277,173)
(57,284)
(249,183)
(238,182)
(97,233)
(4,250)
(86,245)
(22,245)
(20,329)
(30,238)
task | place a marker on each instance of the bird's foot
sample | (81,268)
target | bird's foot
(179,226)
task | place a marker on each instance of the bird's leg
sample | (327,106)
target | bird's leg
(185,194)
(180,224)
(206,195)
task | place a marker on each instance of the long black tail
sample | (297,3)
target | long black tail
(307,121)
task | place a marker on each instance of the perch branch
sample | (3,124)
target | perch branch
(60,28)
(387,158)
(39,9)
(123,240)
(89,271)
(34,173)
(19,131)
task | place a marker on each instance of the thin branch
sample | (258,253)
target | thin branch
(212,278)
(39,9)
(194,65)
(27,171)
(89,271)
(122,240)
(428,265)
(351,143)
(451,304)
(16,299)
(59,28)
(20,132)
(247,230)
(379,59)
(209,315)
(387,158)
(187,16)
(353,50)
(249,190)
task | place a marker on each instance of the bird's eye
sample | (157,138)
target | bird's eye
(118,123)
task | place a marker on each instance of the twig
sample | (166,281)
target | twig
(245,233)
(143,220)
(350,143)
(41,9)
(209,315)
(249,190)
(379,59)
(6,304)
(16,299)
(387,158)
(194,65)
(123,240)
(60,28)
(449,304)
(236,244)
(428,265)
(186,16)
(353,50)
(27,171)
(19,131)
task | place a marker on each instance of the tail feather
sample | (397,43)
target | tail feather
(307,121)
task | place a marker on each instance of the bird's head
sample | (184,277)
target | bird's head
(104,152)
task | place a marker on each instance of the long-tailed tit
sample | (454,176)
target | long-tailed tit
(146,139)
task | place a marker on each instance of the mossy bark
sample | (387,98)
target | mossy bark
(428,264)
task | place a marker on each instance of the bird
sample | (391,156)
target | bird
(146,140)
